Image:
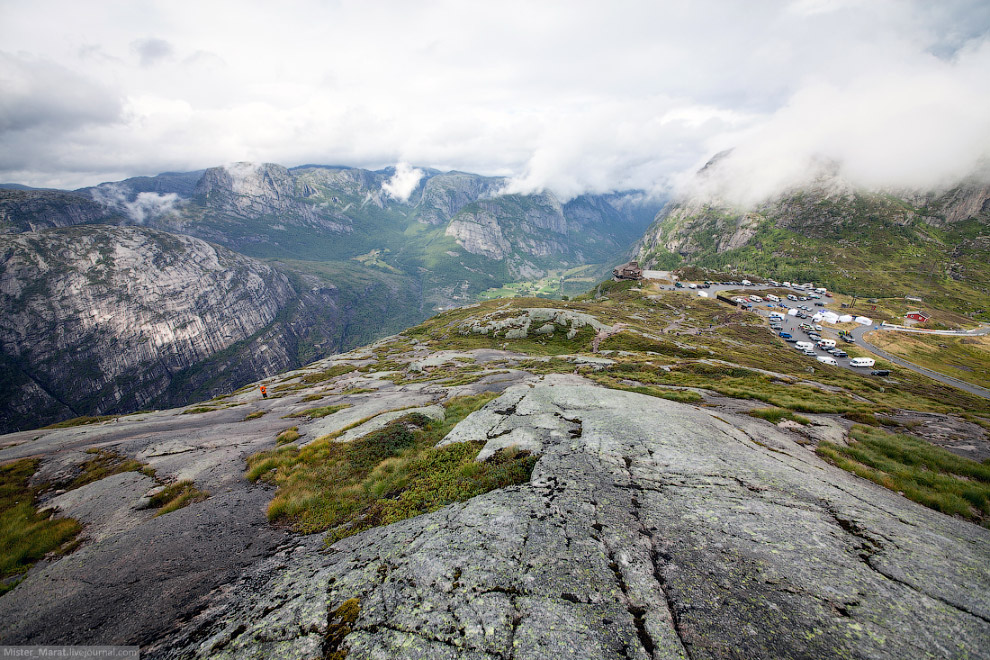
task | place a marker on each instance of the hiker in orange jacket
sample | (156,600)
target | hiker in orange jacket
(264,392)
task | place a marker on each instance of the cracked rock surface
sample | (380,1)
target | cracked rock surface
(650,529)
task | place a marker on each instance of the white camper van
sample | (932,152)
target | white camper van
(825,359)
(804,346)
(826,343)
(773,298)
(862,362)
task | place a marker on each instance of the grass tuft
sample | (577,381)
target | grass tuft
(921,471)
(80,421)
(104,464)
(176,496)
(332,372)
(26,535)
(290,434)
(315,413)
(393,473)
(774,415)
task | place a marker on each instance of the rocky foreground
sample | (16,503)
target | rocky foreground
(649,529)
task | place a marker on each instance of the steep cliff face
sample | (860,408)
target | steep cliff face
(31,210)
(446,194)
(102,318)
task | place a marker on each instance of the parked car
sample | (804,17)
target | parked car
(840,354)
(880,372)
(848,338)
(785,335)
(810,353)
(818,304)
(790,340)
(818,327)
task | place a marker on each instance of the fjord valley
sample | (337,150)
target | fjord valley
(115,302)
(495,331)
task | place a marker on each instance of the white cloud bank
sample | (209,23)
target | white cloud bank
(403,182)
(573,96)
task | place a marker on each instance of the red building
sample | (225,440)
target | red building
(920,317)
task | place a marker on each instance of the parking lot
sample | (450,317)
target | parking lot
(789,324)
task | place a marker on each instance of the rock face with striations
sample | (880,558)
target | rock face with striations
(100,319)
(32,210)
(650,529)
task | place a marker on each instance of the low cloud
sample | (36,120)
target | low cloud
(926,127)
(143,207)
(611,96)
(149,206)
(403,182)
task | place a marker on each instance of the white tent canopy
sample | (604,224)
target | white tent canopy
(845,318)
(862,320)
(830,317)
(792,312)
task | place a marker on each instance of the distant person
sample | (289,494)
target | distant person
(264,392)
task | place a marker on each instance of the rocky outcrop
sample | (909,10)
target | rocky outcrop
(32,210)
(650,529)
(444,195)
(262,191)
(480,233)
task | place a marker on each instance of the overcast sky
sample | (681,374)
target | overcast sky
(573,96)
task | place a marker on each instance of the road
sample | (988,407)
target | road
(859,333)
(791,324)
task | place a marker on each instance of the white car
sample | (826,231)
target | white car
(825,359)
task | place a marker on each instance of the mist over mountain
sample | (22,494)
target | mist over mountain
(826,228)
(114,306)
